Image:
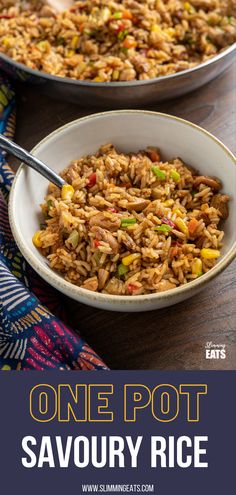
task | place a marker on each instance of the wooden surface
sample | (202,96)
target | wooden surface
(172,338)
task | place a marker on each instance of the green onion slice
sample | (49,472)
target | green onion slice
(117,15)
(122,34)
(125,222)
(50,204)
(122,270)
(163,228)
(159,173)
(73,238)
(175,175)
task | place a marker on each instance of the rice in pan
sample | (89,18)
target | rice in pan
(103,40)
(132,224)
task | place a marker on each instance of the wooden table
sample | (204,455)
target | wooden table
(171,338)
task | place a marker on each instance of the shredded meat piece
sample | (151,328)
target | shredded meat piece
(157,193)
(128,242)
(153,153)
(208,181)
(204,4)
(230,7)
(220,202)
(102,278)
(102,221)
(47,11)
(90,284)
(199,242)
(205,218)
(106,236)
(140,63)
(222,38)
(164,285)
(127,74)
(114,286)
(138,205)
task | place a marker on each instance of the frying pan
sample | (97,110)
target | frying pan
(128,94)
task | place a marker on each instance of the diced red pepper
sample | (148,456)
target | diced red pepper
(135,20)
(126,184)
(112,210)
(176,243)
(6,16)
(132,288)
(120,28)
(96,243)
(174,251)
(168,222)
(92,180)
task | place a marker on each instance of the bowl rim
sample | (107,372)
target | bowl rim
(57,281)
(120,84)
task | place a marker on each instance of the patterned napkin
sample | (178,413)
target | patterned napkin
(32,333)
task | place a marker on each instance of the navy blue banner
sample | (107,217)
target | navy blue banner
(117,432)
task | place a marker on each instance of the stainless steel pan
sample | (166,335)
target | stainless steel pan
(129,94)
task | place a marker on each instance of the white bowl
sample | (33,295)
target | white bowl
(129,130)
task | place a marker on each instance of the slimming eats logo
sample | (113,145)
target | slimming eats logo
(215,351)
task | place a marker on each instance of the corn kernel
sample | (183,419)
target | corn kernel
(189,8)
(169,202)
(81,67)
(181,225)
(175,175)
(127,260)
(70,53)
(196,266)
(204,207)
(67,192)
(98,79)
(36,239)
(178,212)
(74,42)
(115,75)
(156,28)
(6,42)
(170,32)
(210,254)
(44,46)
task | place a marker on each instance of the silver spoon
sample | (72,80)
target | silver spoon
(33,162)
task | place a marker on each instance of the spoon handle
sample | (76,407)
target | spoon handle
(33,162)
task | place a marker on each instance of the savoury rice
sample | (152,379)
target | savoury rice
(129,224)
(104,41)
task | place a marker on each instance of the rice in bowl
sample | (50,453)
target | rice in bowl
(130,224)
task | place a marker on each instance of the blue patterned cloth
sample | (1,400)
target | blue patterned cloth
(32,333)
